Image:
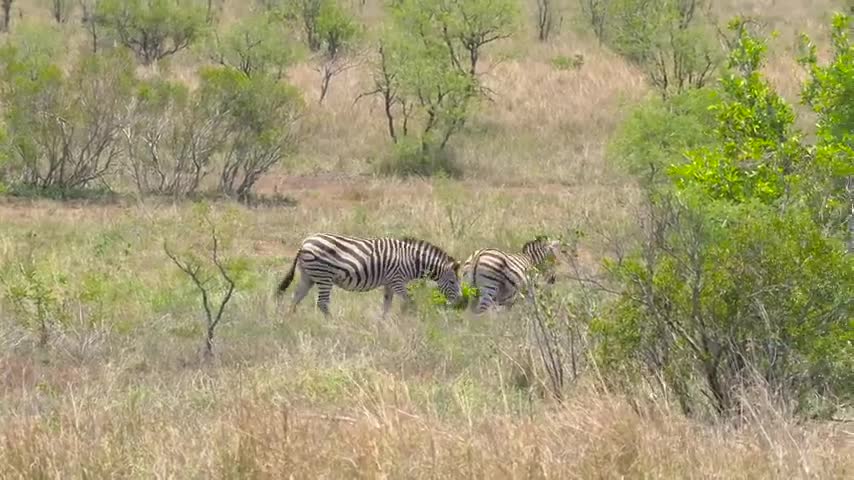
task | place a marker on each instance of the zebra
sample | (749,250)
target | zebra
(500,276)
(363,264)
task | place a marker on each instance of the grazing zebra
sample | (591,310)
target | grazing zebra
(363,264)
(500,276)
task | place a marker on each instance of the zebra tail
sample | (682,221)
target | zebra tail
(286,282)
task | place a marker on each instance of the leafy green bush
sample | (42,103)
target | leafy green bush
(658,133)
(668,39)
(562,62)
(262,125)
(830,92)
(426,71)
(737,283)
(409,159)
(256,44)
(63,129)
(153,29)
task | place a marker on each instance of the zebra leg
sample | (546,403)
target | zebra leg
(324,292)
(388,295)
(402,292)
(485,301)
(304,286)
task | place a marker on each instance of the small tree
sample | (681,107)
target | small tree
(172,138)
(426,72)
(60,10)
(337,32)
(735,284)
(153,29)
(307,15)
(596,14)
(258,44)
(830,93)
(89,18)
(212,276)
(6,5)
(548,19)
(262,125)
(667,38)
(64,129)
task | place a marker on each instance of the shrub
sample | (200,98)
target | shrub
(735,283)
(668,39)
(426,69)
(153,29)
(262,125)
(172,139)
(64,129)
(409,159)
(258,44)
(659,133)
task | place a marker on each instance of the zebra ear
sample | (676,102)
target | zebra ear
(456,266)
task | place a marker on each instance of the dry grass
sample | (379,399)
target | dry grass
(322,418)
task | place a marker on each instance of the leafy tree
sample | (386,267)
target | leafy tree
(463,27)
(64,128)
(89,10)
(736,283)
(172,138)
(426,71)
(548,19)
(758,155)
(660,133)
(830,92)
(258,44)
(6,5)
(337,32)
(596,12)
(667,38)
(61,9)
(153,29)
(261,131)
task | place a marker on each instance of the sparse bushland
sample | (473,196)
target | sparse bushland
(100,332)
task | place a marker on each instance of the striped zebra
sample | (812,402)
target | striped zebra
(363,264)
(500,276)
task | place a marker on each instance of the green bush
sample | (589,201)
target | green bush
(153,29)
(562,62)
(658,133)
(668,39)
(736,283)
(63,129)
(261,127)
(258,44)
(410,159)
(426,71)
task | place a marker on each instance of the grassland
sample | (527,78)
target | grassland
(122,390)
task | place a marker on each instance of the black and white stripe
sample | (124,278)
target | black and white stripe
(499,276)
(363,264)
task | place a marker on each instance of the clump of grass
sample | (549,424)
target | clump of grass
(410,160)
(562,62)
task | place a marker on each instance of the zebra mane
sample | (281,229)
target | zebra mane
(539,239)
(424,243)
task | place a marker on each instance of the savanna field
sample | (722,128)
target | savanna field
(695,165)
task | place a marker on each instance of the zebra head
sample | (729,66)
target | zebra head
(448,279)
(543,250)
(435,264)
